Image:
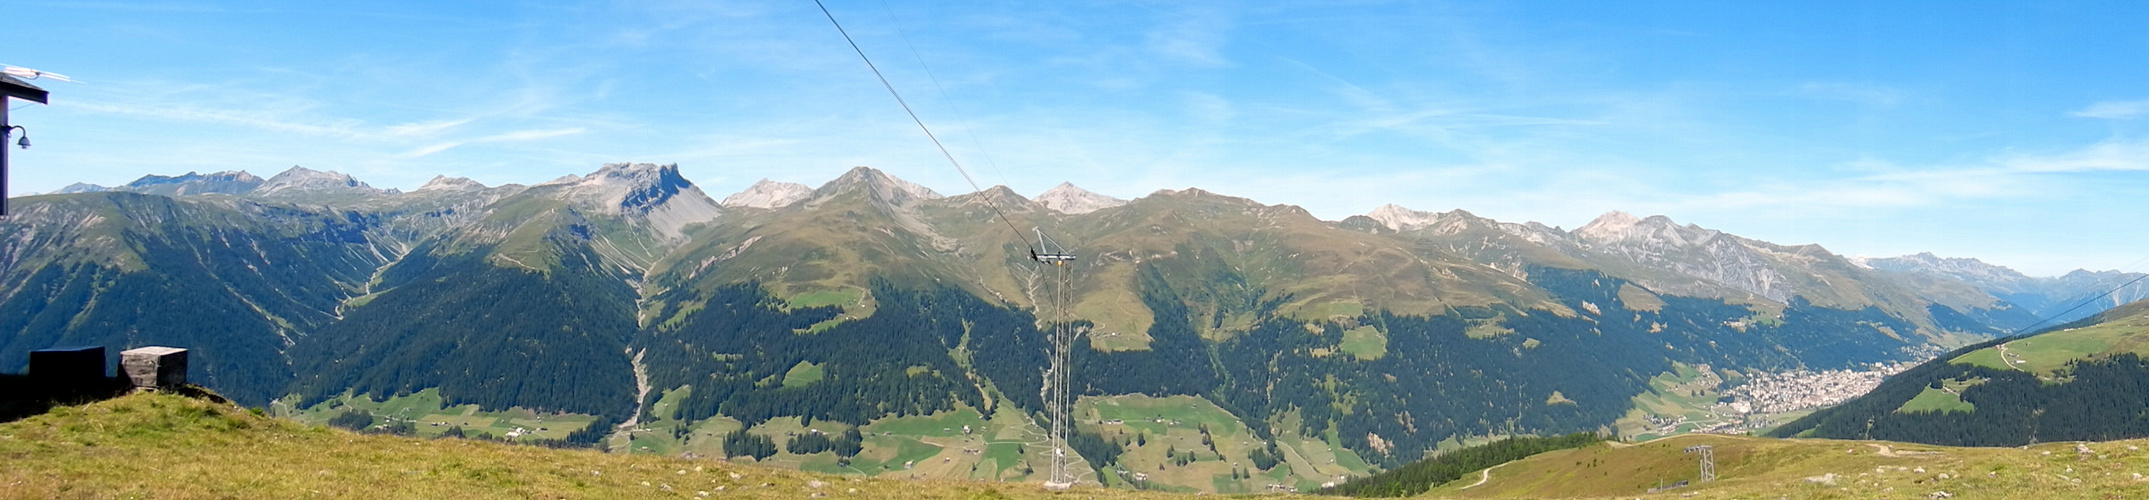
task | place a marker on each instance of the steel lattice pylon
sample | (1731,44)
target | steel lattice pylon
(1059,399)
(1708,461)
(1057,393)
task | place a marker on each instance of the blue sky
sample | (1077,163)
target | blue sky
(2009,131)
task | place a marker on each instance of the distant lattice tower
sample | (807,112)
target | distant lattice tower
(1708,461)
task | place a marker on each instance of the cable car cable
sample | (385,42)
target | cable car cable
(921,126)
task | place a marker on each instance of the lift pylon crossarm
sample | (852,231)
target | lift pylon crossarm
(1051,253)
(1052,258)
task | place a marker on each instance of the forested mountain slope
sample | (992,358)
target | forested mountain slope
(2086,380)
(243,280)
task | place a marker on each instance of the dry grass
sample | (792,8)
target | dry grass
(1759,468)
(166,446)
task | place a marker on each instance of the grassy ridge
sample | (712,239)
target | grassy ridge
(1749,467)
(165,446)
(1423,475)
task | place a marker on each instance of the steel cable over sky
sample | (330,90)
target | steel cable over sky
(921,124)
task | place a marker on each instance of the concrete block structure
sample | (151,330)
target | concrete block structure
(155,366)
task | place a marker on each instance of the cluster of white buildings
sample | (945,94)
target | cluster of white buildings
(1802,389)
(1754,403)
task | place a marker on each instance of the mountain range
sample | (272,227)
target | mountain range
(1378,337)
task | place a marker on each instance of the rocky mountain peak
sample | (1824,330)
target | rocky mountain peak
(625,187)
(1707,254)
(769,194)
(442,183)
(998,196)
(1200,194)
(1617,226)
(1068,199)
(656,193)
(1611,223)
(301,179)
(1401,219)
(226,182)
(879,184)
(647,184)
(1450,222)
(82,187)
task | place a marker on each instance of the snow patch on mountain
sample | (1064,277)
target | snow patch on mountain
(769,194)
(1068,199)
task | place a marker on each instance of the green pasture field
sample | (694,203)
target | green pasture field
(425,410)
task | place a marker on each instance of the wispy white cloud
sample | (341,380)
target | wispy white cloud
(1196,37)
(264,120)
(428,150)
(1997,177)
(515,136)
(1879,96)
(2109,155)
(529,135)
(2114,110)
(423,129)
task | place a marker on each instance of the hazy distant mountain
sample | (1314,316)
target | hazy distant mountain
(227,182)
(1688,260)
(1972,271)
(301,181)
(1068,199)
(769,194)
(442,183)
(2046,298)
(82,187)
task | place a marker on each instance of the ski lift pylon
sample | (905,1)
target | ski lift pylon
(1051,253)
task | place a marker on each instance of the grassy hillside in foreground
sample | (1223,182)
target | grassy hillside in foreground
(165,446)
(1749,467)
